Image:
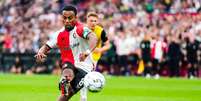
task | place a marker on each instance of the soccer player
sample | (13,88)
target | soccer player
(75,43)
(102,45)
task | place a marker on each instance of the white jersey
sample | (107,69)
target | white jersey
(71,45)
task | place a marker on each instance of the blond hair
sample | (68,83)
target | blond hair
(94,14)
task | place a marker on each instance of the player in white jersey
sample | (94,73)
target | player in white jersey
(75,43)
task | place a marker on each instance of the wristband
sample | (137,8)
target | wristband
(88,51)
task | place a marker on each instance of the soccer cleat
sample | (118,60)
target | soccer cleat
(157,76)
(148,76)
(191,77)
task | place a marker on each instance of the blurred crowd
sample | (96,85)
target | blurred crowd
(164,34)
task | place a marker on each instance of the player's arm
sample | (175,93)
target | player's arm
(106,46)
(106,42)
(92,40)
(51,43)
(42,53)
(91,37)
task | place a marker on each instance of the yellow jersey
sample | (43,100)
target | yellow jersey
(98,31)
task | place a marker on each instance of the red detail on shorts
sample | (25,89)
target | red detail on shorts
(62,90)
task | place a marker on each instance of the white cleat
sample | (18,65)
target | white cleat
(148,76)
(157,76)
(191,77)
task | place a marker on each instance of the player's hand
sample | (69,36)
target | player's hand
(40,57)
(83,56)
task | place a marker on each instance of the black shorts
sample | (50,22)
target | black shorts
(77,83)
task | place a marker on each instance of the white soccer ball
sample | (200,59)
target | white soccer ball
(94,81)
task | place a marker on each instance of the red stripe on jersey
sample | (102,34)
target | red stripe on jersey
(80,29)
(63,43)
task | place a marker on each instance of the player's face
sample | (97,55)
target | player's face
(69,18)
(92,21)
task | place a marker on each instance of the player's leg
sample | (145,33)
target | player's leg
(65,97)
(78,81)
(75,85)
(83,94)
(62,98)
(66,78)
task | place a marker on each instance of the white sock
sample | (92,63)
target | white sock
(83,94)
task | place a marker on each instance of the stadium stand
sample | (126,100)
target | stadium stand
(26,24)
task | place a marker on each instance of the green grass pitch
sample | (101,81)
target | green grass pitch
(45,88)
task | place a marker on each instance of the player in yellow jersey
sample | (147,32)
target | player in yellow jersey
(102,45)
(103,42)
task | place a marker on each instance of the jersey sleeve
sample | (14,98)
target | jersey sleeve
(82,30)
(86,32)
(104,37)
(52,42)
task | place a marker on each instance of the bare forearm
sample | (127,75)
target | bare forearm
(106,46)
(44,49)
(41,55)
(92,41)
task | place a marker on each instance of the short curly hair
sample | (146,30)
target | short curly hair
(70,8)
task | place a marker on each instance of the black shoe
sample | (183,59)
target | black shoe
(64,86)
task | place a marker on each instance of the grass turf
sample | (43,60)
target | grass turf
(45,88)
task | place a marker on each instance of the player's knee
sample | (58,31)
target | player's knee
(68,71)
(68,74)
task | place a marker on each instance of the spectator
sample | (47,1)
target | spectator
(56,68)
(17,68)
(145,46)
(191,55)
(157,52)
(25,25)
(174,56)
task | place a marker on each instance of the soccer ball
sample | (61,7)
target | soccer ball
(94,81)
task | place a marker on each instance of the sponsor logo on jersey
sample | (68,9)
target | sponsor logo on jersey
(71,46)
(80,84)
